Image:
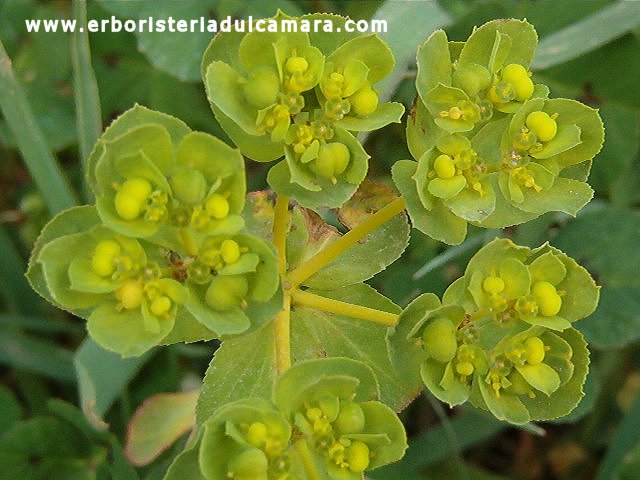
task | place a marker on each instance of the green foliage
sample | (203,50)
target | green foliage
(311,366)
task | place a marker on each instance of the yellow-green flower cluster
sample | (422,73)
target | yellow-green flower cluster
(299,95)
(161,257)
(491,148)
(325,420)
(502,338)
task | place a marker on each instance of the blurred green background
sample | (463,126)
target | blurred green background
(56,387)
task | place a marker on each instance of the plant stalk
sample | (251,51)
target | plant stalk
(308,299)
(322,258)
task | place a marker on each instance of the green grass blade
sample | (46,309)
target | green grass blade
(16,292)
(85,86)
(32,354)
(588,34)
(44,169)
(102,375)
(624,440)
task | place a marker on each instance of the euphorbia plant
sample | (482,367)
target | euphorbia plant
(314,363)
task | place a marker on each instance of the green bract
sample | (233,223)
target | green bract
(161,259)
(492,150)
(503,338)
(324,419)
(300,95)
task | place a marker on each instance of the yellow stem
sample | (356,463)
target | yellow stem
(307,460)
(322,258)
(308,299)
(283,318)
(283,335)
(280,229)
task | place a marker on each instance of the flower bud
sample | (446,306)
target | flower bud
(251,464)
(472,78)
(226,291)
(357,456)
(230,251)
(332,160)
(547,298)
(130,294)
(365,101)
(543,125)
(128,207)
(257,434)
(296,65)
(493,285)
(217,206)
(103,260)
(465,368)
(160,305)
(439,339)
(139,188)
(444,166)
(262,88)
(350,419)
(535,350)
(189,186)
(519,78)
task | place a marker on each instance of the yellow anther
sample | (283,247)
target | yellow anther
(465,368)
(217,206)
(542,125)
(547,298)
(357,455)
(257,434)
(493,285)
(130,294)
(297,65)
(322,426)
(524,177)
(230,251)
(444,166)
(365,101)
(103,260)
(535,350)
(337,453)
(455,113)
(160,305)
